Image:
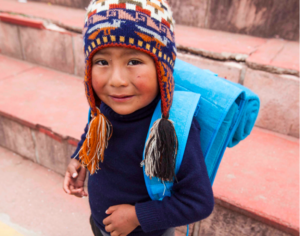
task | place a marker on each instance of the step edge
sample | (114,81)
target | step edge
(264,218)
(41,128)
(222,201)
(224,56)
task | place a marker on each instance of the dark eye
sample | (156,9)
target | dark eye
(102,62)
(134,62)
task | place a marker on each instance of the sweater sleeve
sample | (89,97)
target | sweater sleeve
(192,197)
(83,137)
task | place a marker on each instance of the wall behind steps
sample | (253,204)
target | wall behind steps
(69,3)
(267,18)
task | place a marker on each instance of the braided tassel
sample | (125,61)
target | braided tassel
(161,151)
(92,150)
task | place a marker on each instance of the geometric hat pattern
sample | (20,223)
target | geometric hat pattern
(145,25)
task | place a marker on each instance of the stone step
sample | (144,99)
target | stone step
(209,43)
(245,17)
(267,67)
(33,202)
(43,113)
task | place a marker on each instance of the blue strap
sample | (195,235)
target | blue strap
(181,114)
(89,118)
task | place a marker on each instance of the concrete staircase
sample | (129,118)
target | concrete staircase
(42,65)
(269,67)
(259,18)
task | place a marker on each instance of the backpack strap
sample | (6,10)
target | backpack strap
(184,106)
(89,117)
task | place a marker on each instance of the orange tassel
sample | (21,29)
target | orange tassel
(92,150)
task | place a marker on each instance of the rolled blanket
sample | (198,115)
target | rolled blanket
(248,116)
(227,111)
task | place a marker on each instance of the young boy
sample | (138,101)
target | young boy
(130,54)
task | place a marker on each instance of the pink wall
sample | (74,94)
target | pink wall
(263,18)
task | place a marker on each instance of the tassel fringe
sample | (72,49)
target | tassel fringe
(161,151)
(92,150)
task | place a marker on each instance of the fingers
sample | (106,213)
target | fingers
(74,180)
(66,183)
(82,174)
(107,220)
(71,189)
(84,193)
(79,182)
(111,209)
(109,228)
(72,169)
(115,233)
(77,192)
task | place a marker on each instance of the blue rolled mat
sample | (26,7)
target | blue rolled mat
(248,116)
(227,111)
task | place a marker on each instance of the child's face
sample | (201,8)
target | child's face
(125,79)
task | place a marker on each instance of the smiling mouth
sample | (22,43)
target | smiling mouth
(121,98)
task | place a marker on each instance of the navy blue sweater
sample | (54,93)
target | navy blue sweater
(121,180)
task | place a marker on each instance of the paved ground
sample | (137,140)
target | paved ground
(33,203)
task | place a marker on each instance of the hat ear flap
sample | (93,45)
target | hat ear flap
(162,144)
(100,128)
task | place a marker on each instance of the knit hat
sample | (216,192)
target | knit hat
(148,26)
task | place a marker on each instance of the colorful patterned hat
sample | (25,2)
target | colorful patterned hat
(148,26)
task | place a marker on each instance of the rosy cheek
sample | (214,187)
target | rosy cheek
(142,86)
(146,85)
(95,78)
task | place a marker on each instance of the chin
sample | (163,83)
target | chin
(123,110)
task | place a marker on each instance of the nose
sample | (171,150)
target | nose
(118,79)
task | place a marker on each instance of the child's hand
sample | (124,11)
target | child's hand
(122,220)
(74,179)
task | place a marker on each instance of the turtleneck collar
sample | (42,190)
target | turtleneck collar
(139,114)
